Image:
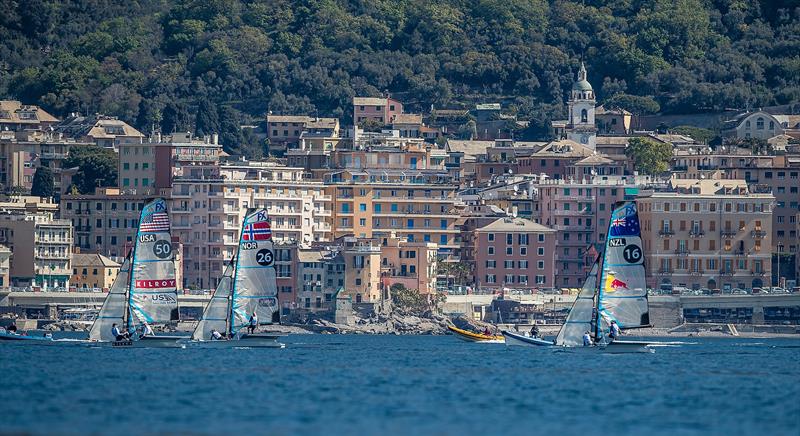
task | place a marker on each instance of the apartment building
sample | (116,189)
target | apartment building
(713,234)
(415,205)
(301,131)
(777,174)
(380,109)
(104,222)
(579,210)
(15,116)
(93,271)
(286,270)
(320,275)
(411,264)
(41,247)
(208,204)
(362,275)
(514,253)
(22,153)
(5,266)
(102,130)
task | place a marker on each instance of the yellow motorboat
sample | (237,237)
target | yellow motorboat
(475,337)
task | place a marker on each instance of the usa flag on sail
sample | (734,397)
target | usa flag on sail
(155,222)
(257,231)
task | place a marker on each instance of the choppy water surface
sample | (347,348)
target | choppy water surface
(427,385)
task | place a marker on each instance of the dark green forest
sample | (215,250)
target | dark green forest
(213,64)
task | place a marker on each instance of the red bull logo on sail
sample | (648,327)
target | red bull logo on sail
(617,283)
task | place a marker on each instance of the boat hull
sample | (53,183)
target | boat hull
(616,347)
(476,337)
(256,340)
(514,339)
(14,338)
(146,342)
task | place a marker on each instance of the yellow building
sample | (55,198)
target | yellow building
(93,271)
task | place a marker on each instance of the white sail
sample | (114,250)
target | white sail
(114,307)
(254,284)
(622,295)
(217,312)
(581,315)
(153,291)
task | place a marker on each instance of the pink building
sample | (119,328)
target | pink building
(412,264)
(514,253)
(579,212)
(381,109)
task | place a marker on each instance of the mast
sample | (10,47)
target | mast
(128,310)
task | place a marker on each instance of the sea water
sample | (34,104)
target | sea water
(365,385)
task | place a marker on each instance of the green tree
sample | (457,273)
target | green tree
(699,134)
(97,167)
(207,120)
(43,184)
(649,157)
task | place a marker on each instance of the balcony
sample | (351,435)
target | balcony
(758,273)
(696,233)
(739,253)
(682,252)
(726,272)
(758,234)
(572,228)
(665,271)
(666,232)
(680,168)
(728,233)
(696,272)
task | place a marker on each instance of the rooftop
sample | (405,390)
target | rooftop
(92,259)
(513,225)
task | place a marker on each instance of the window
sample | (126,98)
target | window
(523,264)
(509,239)
(540,280)
(509,251)
(523,251)
(410,224)
(541,237)
(491,237)
(443,239)
(491,278)
(362,207)
(491,251)
(491,264)
(540,251)
(540,264)
(377,208)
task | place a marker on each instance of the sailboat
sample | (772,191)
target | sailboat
(620,295)
(144,291)
(247,287)
(579,320)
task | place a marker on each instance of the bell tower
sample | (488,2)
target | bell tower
(581,127)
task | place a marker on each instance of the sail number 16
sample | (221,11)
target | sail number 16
(632,254)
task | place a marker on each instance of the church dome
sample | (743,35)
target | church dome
(582,85)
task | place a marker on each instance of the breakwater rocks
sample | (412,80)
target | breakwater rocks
(387,324)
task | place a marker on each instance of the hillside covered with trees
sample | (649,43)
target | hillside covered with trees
(213,64)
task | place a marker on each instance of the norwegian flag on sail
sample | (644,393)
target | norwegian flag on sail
(155,222)
(257,231)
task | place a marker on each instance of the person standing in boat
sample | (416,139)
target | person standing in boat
(614,331)
(253,323)
(215,335)
(535,331)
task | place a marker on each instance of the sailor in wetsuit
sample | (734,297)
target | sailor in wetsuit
(614,331)
(587,339)
(215,335)
(118,336)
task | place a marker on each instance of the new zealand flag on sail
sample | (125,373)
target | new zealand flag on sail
(625,222)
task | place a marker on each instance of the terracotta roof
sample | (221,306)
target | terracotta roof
(595,159)
(288,118)
(12,111)
(92,259)
(369,101)
(512,225)
(407,119)
(96,126)
(471,148)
